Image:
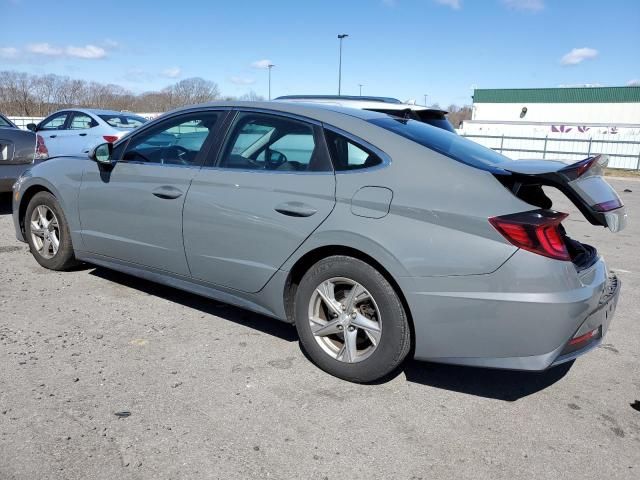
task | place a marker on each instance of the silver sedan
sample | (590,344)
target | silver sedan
(378,237)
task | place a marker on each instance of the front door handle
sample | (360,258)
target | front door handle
(52,136)
(167,192)
(295,209)
(82,134)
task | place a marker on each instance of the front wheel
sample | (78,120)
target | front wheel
(47,233)
(350,320)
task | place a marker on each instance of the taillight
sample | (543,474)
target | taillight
(608,206)
(578,169)
(41,149)
(536,231)
(110,138)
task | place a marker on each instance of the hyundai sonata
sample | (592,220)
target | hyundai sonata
(376,236)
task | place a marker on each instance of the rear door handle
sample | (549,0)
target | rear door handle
(167,192)
(295,209)
(82,134)
(52,136)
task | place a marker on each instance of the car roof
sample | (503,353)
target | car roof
(317,111)
(95,111)
(340,97)
(372,103)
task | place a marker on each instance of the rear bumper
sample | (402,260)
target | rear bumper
(520,317)
(9,173)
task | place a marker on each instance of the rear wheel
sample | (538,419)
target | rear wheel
(47,233)
(350,320)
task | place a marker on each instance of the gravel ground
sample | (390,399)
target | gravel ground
(217,392)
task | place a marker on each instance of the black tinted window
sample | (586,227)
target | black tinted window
(441,141)
(270,142)
(348,155)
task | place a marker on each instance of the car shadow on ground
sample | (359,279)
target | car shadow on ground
(5,203)
(237,315)
(494,384)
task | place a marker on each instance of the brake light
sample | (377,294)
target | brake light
(536,231)
(42,152)
(110,138)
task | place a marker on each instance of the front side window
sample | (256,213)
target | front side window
(176,141)
(269,142)
(81,121)
(54,123)
(347,155)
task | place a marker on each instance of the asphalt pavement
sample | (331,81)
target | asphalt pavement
(106,376)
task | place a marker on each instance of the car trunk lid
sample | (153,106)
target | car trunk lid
(582,182)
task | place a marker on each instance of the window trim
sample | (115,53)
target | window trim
(318,137)
(204,149)
(359,142)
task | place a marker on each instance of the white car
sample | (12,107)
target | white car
(388,105)
(76,131)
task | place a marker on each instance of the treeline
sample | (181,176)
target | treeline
(22,94)
(457,115)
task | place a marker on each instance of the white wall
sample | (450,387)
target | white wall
(560,113)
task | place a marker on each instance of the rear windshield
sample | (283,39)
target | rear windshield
(442,141)
(432,117)
(123,121)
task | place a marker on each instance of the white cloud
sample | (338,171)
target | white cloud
(242,81)
(90,52)
(44,49)
(172,72)
(262,63)
(455,4)
(578,55)
(527,5)
(8,52)
(634,83)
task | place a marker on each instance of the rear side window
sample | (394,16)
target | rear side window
(348,155)
(441,141)
(80,121)
(270,142)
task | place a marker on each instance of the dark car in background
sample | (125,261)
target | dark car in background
(19,150)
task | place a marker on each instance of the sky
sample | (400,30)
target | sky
(396,48)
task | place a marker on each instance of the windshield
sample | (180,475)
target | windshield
(442,141)
(123,121)
(4,122)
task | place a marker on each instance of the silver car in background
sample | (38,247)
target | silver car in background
(376,236)
(19,150)
(76,131)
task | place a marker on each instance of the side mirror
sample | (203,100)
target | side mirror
(102,154)
(32,127)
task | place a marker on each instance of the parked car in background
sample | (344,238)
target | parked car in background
(77,131)
(388,105)
(19,150)
(375,235)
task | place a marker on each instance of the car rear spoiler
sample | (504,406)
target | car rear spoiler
(582,182)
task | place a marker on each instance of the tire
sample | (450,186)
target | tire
(38,232)
(376,323)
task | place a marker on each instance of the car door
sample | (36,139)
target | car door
(133,210)
(52,130)
(246,213)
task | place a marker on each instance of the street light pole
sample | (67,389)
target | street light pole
(425,99)
(341,37)
(360,85)
(270,66)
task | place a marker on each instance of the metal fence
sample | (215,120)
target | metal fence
(623,151)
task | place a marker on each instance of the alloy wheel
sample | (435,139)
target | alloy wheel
(345,319)
(45,231)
